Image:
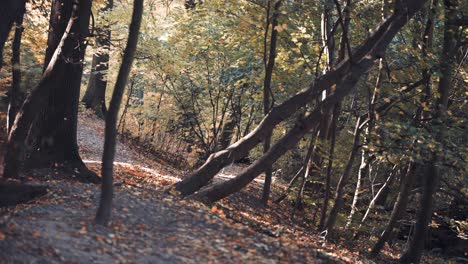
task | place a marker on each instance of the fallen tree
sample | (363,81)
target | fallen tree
(342,79)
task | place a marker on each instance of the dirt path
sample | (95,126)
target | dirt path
(91,138)
(147,225)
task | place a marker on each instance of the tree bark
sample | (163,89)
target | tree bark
(267,92)
(15,96)
(360,61)
(365,166)
(398,208)
(55,141)
(105,205)
(95,95)
(372,203)
(54,101)
(329,167)
(310,167)
(339,193)
(9,12)
(228,131)
(290,184)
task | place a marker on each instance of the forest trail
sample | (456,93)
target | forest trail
(91,143)
(147,225)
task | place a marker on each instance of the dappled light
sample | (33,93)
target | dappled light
(233,131)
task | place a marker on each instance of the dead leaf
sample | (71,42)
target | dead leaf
(36,234)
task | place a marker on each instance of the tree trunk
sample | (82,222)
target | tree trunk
(15,95)
(350,69)
(54,101)
(339,193)
(365,166)
(9,12)
(95,95)
(290,184)
(227,132)
(372,203)
(105,205)
(329,167)
(398,208)
(361,171)
(309,165)
(267,92)
(433,166)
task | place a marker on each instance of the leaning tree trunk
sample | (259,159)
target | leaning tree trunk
(48,117)
(350,69)
(105,205)
(398,208)
(339,193)
(95,95)
(433,166)
(372,203)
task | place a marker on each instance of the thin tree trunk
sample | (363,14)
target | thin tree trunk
(127,104)
(433,166)
(309,166)
(376,198)
(290,184)
(329,167)
(267,92)
(398,208)
(15,94)
(365,166)
(339,193)
(105,205)
(9,12)
(350,69)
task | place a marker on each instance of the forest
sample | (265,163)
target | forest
(233,131)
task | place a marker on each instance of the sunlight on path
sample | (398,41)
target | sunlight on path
(145,169)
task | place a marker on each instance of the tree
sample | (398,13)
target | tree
(269,61)
(105,205)
(47,120)
(10,10)
(95,95)
(344,77)
(15,96)
(433,167)
(408,177)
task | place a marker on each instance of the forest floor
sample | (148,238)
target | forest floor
(149,226)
